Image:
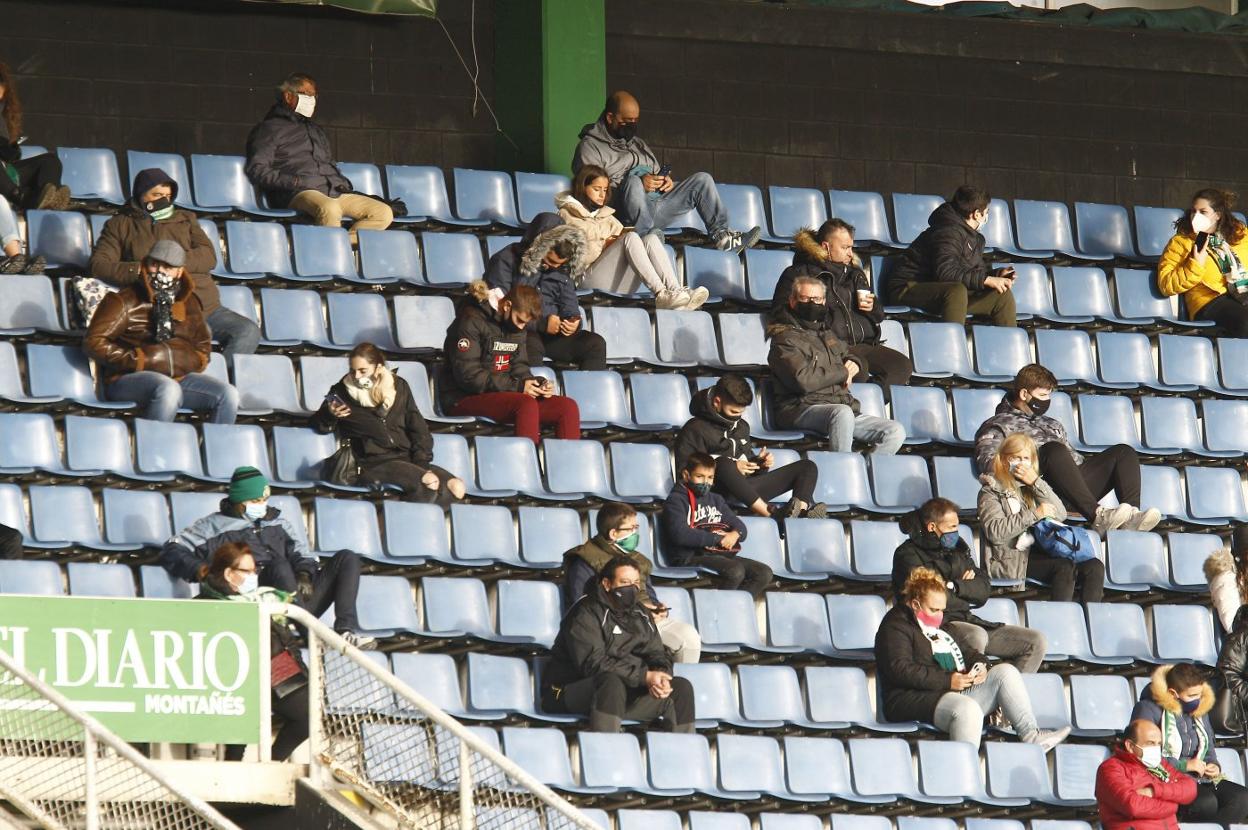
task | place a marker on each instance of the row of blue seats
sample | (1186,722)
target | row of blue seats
(485,197)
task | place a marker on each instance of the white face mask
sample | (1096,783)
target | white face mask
(364,383)
(306,105)
(1201,223)
(250,584)
(256,510)
(1151,756)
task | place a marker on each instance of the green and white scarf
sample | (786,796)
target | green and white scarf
(1226,259)
(944,649)
(1172,739)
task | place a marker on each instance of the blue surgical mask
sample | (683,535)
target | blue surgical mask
(256,510)
(949,540)
(251,584)
(1190,706)
(702,488)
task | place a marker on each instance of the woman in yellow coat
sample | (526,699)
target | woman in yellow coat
(1205,262)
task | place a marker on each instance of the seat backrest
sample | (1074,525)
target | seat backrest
(322,252)
(347,524)
(421,322)
(882,766)
(91,173)
(483,532)
(1224,422)
(854,619)
(726,617)
(820,766)
(1184,632)
(923,412)
(998,232)
(1138,297)
(157,583)
(1215,493)
(865,211)
(1117,629)
(547,532)
(1033,295)
(900,480)
(763,269)
(485,194)
(416,530)
(1187,360)
(660,398)
(971,407)
(842,479)
(798,620)
(714,695)
(611,760)
(949,769)
(298,453)
(360,318)
(29,302)
(1232,359)
(529,608)
(746,763)
(719,272)
(1107,420)
(1101,703)
(641,469)
(220,182)
(390,255)
(817,546)
(365,178)
(957,479)
(28,440)
(258,248)
(1074,771)
(679,761)
(542,753)
(1171,422)
(743,340)
(384,603)
(744,203)
(1126,357)
(1042,226)
(1153,228)
(627,332)
(599,395)
(794,208)
(294,314)
(230,446)
(1048,699)
(1081,291)
(508,463)
(433,675)
(1103,229)
(451,258)
(535,193)
(318,375)
(98,444)
(1063,626)
(1017,770)
(422,189)
(136,516)
(1067,354)
(685,337)
(266,381)
(910,214)
(455,604)
(63,513)
(97,579)
(62,237)
(20,576)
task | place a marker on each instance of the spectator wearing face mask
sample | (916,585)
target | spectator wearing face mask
(281,556)
(149,217)
(152,344)
(486,367)
(935,544)
(1178,700)
(609,662)
(1137,789)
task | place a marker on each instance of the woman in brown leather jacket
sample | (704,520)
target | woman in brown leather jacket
(152,343)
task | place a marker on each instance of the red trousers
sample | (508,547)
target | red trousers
(525,412)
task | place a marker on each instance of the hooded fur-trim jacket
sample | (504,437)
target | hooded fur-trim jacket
(1183,736)
(520,264)
(850,325)
(1223,590)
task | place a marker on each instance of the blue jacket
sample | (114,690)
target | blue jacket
(685,514)
(287,153)
(270,539)
(520,264)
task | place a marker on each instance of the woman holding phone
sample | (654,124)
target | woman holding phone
(1012,500)
(373,408)
(1206,261)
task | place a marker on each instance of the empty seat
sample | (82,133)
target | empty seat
(30,304)
(28,443)
(641,471)
(950,769)
(365,178)
(924,413)
(93,445)
(1127,359)
(820,766)
(1215,495)
(1066,631)
(900,481)
(299,454)
(940,350)
(817,548)
(1083,292)
(485,194)
(794,208)
(719,272)
(421,322)
(259,249)
(714,692)
(882,766)
(230,446)
(843,482)
(323,254)
(266,382)
(971,407)
(483,534)
(343,524)
(1232,361)
(1106,420)
(999,232)
(67,514)
(1033,296)
(293,316)
(1153,229)
(528,611)
(749,762)
(744,203)
(742,338)
(19,576)
(139,517)
(686,338)
(156,583)
(1104,230)
(1045,226)
(575,468)
(853,621)
(1172,423)
(1000,351)
(457,608)
(1101,704)
(451,258)
(1068,355)
(727,618)
(510,463)
(628,334)
(1184,632)
(1190,361)
(62,237)
(910,214)
(763,269)
(798,620)
(865,211)
(957,479)
(385,606)
(1017,770)
(535,193)
(91,174)
(1138,298)
(1048,699)
(543,753)
(360,318)
(96,579)
(683,762)
(423,190)
(614,760)
(221,182)
(1118,629)
(434,676)
(1074,774)
(1224,422)
(1188,552)
(389,256)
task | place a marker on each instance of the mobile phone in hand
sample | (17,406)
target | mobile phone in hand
(333,399)
(665,170)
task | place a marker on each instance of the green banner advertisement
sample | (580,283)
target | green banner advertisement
(150,670)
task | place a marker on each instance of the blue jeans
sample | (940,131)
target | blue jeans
(843,427)
(160,395)
(235,333)
(635,207)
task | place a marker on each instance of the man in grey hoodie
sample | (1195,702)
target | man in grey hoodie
(643,192)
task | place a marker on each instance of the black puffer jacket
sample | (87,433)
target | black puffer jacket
(520,263)
(843,281)
(909,677)
(287,153)
(710,432)
(923,550)
(595,638)
(1233,664)
(400,434)
(807,363)
(480,356)
(948,251)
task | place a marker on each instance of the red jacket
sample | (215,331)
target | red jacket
(1122,808)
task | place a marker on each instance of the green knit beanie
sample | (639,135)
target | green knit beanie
(246,484)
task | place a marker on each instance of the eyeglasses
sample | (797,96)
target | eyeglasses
(250,570)
(629,528)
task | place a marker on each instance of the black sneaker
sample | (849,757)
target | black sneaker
(788,510)
(818,510)
(37,265)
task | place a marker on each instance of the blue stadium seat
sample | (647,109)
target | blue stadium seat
(209,228)
(136,517)
(762,544)
(318,374)
(800,620)
(719,272)
(259,249)
(1232,764)
(1048,699)
(348,524)
(510,463)
(484,534)
(536,192)
(1184,632)
(971,407)
(323,254)
(385,606)
(865,211)
(388,257)
(360,318)
(295,316)
(999,232)
(1067,353)
(744,203)
(900,482)
(547,532)
(839,694)
(685,338)
(91,174)
(715,699)
(19,576)
(1188,552)
(528,611)
(543,753)
(786,821)
(415,533)
(1190,361)
(817,548)
(882,766)
(298,453)
(1153,229)
(1106,420)
(641,471)
(62,237)
(648,820)
(1066,630)
(1233,361)
(727,618)
(910,214)
(221,182)
(748,762)
(432,675)
(1084,292)
(729,820)
(924,413)
(940,350)
(420,323)
(683,762)
(1117,629)
(423,190)
(13,388)
(1074,774)
(1224,420)
(240,300)
(957,479)
(266,382)
(28,443)
(843,482)
(498,685)
(853,620)
(576,468)
(763,269)
(614,760)
(93,445)
(601,399)
(1161,487)
(29,305)
(189,507)
(1017,770)
(819,766)
(485,194)
(1215,495)
(628,334)
(458,607)
(97,579)
(1033,295)
(451,453)
(1000,351)
(1172,423)
(658,398)
(1126,358)
(794,208)
(156,583)
(230,446)
(1045,226)
(950,769)
(67,514)
(1139,301)
(98,221)
(365,178)
(1101,704)
(1104,230)
(451,259)
(174,165)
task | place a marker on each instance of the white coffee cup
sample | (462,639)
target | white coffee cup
(864,294)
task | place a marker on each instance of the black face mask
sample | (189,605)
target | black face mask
(1039,407)
(810,312)
(624,132)
(624,597)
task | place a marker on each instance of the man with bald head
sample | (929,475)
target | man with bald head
(643,192)
(1136,789)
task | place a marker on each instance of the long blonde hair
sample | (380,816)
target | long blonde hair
(1016,443)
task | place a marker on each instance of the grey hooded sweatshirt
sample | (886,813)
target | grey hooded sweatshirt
(616,156)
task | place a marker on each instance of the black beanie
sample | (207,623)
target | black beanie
(145,180)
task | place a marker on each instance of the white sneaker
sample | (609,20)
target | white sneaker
(676,299)
(1112,518)
(697,296)
(1048,738)
(361,641)
(1143,520)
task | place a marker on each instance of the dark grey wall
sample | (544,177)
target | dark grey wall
(195,76)
(789,95)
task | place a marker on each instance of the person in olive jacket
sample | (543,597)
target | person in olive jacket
(152,344)
(812,371)
(935,543)
(856,313)
(374,409)
(609,662)
(944,271)
(151,216)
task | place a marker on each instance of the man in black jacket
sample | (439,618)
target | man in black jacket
(944,271)
(935,543)
(744,471)
(854,312)
(608,661)
(289,158)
